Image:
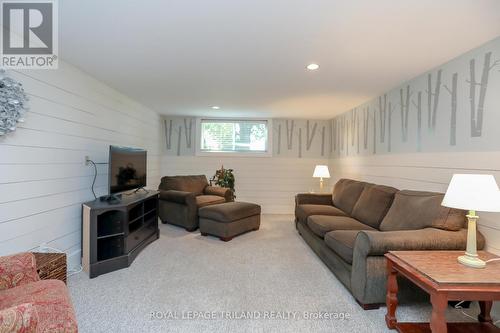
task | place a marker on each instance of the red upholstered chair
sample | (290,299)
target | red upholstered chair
(28,304)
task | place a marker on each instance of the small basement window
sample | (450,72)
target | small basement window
(234,136)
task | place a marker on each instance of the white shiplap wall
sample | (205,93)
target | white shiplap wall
(271,182)
(43,176)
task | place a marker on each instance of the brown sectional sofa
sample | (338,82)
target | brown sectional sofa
(352,229)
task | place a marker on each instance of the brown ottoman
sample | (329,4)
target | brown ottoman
(229,219)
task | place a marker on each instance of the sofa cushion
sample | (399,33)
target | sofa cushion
(320,225)
(342,243)
(229,211)
(205,200)
(302,212)
(450,219)
(51,301)
(373,203)
(412,210)
(195,184)
(17,269)
(345,194)
(18,319)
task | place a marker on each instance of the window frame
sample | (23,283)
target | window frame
(267,153)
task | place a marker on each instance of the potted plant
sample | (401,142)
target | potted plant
(224,178)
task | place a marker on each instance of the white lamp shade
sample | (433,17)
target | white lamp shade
(473,192)
(321,171)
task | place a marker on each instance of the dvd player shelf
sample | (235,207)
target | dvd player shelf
(114,234)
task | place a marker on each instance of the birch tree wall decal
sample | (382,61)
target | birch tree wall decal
(389,127)
(330,124)
(366,119)
(310,134)
(433,100)
(418,106)
(323,141)
(334,133)
(289,133)
(382,109)
(405,108)
(188,131)
(374,131)
(347,136)
(342,134)
(453,118)
(179,138)
(357,132)
(300,142)
(353,126)
(476,115)
(168,133)
(279,139)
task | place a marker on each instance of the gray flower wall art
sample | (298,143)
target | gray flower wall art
(13,103)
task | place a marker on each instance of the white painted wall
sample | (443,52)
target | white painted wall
(43,176)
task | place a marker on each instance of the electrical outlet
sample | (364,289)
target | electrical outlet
(87,160)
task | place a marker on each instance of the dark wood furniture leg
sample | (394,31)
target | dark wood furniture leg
(392,296)
(369,306)
(225,239)
(485,307)
(438,316)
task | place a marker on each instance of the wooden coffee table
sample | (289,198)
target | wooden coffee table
(444,279)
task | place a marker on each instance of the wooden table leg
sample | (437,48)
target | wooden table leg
(485,307)
(391,299)
(438,316)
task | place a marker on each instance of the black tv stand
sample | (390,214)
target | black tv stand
(113,234)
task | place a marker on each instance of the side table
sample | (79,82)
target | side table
(51,265)
(440,275)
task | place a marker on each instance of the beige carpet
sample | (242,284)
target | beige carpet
(264,281)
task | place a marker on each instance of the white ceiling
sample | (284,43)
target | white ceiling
(249,56)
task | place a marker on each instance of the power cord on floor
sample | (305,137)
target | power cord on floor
(75,271)
(458,306)
(491,260)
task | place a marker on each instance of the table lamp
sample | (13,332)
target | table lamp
(321,171)
(472,193)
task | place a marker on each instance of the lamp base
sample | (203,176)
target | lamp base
(471,261)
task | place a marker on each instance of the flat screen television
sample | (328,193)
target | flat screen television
(127,169)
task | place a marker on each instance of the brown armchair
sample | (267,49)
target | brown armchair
(182,196)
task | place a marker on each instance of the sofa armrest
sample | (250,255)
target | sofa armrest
(17,269)
(219,191)
(378,243)
(180,197)
(18,318)
(313,199)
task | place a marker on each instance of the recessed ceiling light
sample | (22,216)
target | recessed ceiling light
(215,107)
(312,67)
